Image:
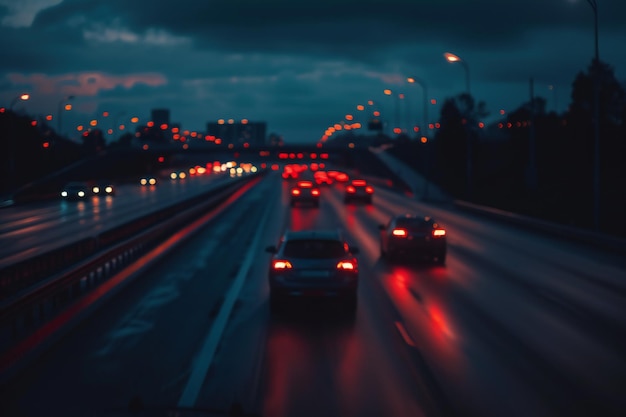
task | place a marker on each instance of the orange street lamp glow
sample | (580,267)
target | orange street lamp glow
(134,119)
(349,117)
(387,92)
(360,107)
(94,122)
(451,57)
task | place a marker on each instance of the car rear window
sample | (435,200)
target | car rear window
(314,249)
(414,225)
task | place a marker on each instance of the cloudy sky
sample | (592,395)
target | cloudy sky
(300,66)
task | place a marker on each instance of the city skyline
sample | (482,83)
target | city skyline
(298,67)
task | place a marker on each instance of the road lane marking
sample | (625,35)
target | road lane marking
(405,335)
(207,352)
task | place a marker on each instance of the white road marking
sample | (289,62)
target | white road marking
(207,352)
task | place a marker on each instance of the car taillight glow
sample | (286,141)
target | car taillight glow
(399,232)
(439,232)
(295,191)
(315,192)
(282,265)
(346,265)
(369,190)
(351,189)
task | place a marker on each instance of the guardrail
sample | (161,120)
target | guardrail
(600,240)
(29,306)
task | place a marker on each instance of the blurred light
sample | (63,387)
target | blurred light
(231,121)
(134,119)
(164,126)
(360,107)
(349,117)
(451,57)
(105,114)
(94,122)
(424,139)
(433,101)
(79,128)
(49,117)
(376,113)
(150,123)
(244,121)
(68,107)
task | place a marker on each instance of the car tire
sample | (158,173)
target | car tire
(441,259)
(350,303)
(277,303)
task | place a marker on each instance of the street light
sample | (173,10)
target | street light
(454,58)
(23,97)
(596,119)
(421,83)
(60,112)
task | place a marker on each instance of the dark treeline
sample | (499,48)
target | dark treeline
(532,161)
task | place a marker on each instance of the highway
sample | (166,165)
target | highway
(515,324)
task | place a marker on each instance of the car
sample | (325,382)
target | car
(413,236)
(103,188)
(305,192)
(313,264)
(360,190)
(148,181)
(322,178)
(76,190)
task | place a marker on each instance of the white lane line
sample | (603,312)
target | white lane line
(405,335)
(205,357)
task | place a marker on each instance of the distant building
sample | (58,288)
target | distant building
(161,117)
(238,133)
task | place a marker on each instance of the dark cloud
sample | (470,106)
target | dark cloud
(296,63)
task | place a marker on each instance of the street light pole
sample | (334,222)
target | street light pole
(421,83)
(596,119)
(454,58)
(11,141)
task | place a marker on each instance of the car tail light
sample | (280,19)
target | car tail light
(399,232)
(369,190)
(295,191)
(439,233)
(351,189)
(358,182)
(315,192)
(280,265)
(347,265)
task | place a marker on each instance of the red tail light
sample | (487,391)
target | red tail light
(280,265)
(369,190)
(347,265)
(399,232)
(295,191)
(351,189)
(315,192)
(439,233)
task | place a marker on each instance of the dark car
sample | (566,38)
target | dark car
(358,190)
(103,188)
(413,236)
(305,192)
(76,190)
(313,264)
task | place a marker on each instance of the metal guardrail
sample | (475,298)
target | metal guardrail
(24,311)
(600,240)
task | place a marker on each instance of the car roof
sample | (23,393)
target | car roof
(313,234)
(414,216)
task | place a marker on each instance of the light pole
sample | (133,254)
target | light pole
(421,83)
(23,97)
(596,119)
(60,112)
(11,144)
(454,58)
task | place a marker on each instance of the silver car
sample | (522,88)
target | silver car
(313,264)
